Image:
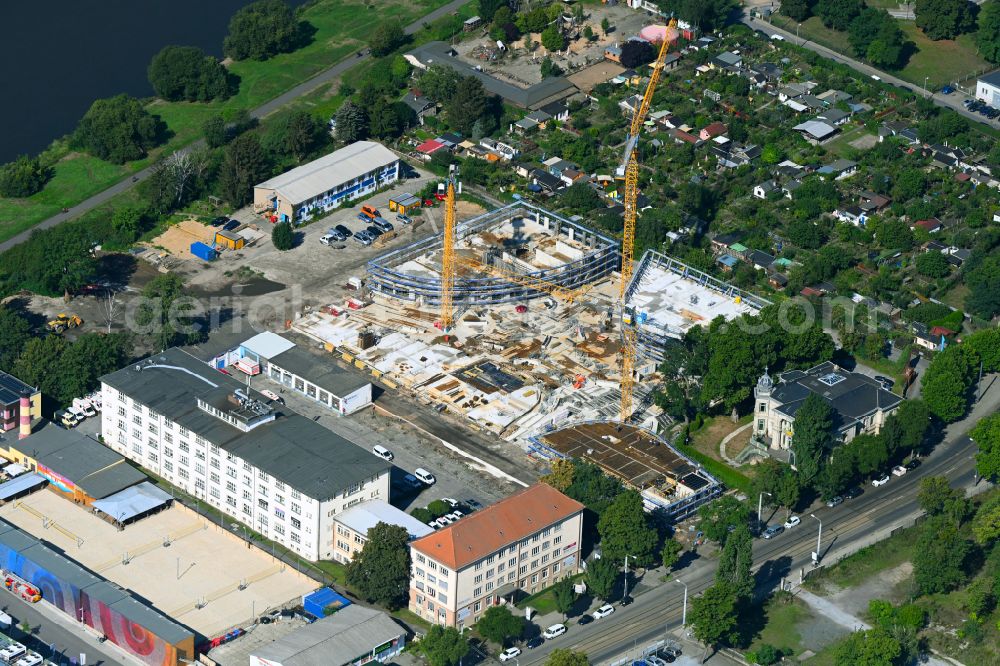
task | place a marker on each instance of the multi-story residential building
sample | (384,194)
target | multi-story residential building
(860,404)
(20,404)
(276,471)
(525,542)
(352,526)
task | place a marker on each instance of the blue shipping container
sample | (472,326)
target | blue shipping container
(203,251)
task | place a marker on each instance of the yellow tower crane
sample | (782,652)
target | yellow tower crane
(448,258)
(630,170)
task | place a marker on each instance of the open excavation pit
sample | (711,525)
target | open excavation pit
(515,253)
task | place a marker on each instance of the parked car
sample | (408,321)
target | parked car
(856,491)
(271,395)
(231,224)
(344,231)
(67,419)
(626,600)
(835,501)
(880,481)
(453,503)
(947,90)
(792,522)
(604,611)
(424,476)
(585,619)
(554,630)
(219,221)
(382,452)
(884,381)
(534,642)
(328,239)
(456,514)
(383,224)
(510,653)
(445,520)
(473,504)
(899,470)
(913,464)
(772,531)
(362,238)
(412,481)
(405,219)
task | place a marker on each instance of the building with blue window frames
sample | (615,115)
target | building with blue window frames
(327,183)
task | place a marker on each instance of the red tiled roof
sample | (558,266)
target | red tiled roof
(941,330)
(429,146)
(473,537)
(715,129)
(930,224)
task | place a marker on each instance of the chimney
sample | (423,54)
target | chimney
(25,412)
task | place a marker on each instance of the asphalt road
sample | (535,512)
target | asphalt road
(846,528)
(304,88)
(952,101)
(69,644)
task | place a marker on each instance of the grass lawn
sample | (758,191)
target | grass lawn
(862,565)
(813,30)
(783,614)
(842,144)
(704,449)
(342,27)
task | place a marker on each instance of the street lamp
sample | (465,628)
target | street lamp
(684,612)
(797,33)
(925,84)
(760,504)
(819,539)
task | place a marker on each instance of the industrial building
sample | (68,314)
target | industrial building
(667,480)
(353,525)
(350,637)
(84,597)
(327,183)
(505,255)
(280,473)
(521,544)
(20,404)
(666,298)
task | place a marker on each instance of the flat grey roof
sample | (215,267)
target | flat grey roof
(993,78)
(548,90)
(11,387)
(316,177)
(337,639)
(292,448)
(323,374)
(93,467)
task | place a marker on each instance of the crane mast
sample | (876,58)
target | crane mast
(448,260)
(630,170)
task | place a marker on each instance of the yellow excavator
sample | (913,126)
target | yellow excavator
(62,322)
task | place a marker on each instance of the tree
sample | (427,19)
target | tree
(561,475)
(870,454)
(875,35)
(439,82)
(117,129)
(64,370)
(549,68)
(940,556)
(488,8)
(164,310)
(874,647)
(563,595)
(297,134)
(946,383)
(671,553)
(567,657)
(588,32)
(625,530)
(175,180)
(798,10)
(780,481)
(735,563)
(498,624)
(580,198)
(243,166)
(23,177)
(981,279)
(716,518)
(187,73)
(805,233)
(282,236)
(605,26)
(766,654)
(772,152)
(386,38)
(600,577)
(592,487)
(260,30)
(988,36)
(127,222)
(553,38)
(986,524)
(838,14)
(986,344)
(443,646)
(467,104)
(380,572)
(636,53)
(352,123)
(933,264)
(214,131)
(986,435)
(813,436)
(937,498)
(15,331)
(714,615)
(707,15)
(944,19)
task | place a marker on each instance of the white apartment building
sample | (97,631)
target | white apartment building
(277,472)
(524,542)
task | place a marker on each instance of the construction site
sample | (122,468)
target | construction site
(539,330)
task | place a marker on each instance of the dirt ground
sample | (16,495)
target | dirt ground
(591,76)
(884,585)
(178,238)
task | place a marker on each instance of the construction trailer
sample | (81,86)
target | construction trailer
(203,251)
(229,240)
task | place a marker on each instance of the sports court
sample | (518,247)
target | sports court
(175,559)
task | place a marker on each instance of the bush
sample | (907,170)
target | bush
(386,38)
(439,508)
(283,237)
(765,655)
(422,514)
(23,177)
(117,129)
(187,73)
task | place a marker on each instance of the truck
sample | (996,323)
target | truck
(371,212)
(62,322)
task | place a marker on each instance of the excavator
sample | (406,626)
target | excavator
(62,322)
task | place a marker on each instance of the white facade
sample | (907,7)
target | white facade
(227,482)
(344,404)
(988,90)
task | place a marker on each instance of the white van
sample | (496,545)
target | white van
(382,452)
(554,630)
(83,405)
(11,651)
(424,476)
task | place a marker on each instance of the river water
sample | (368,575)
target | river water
(60,55)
